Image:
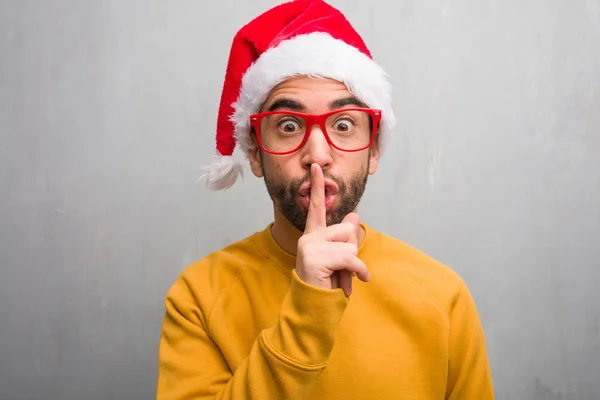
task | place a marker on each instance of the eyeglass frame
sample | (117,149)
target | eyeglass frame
(312,120)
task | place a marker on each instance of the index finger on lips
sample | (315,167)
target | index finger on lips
(317,213)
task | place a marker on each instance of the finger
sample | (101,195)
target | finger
(335,279)
(317,217)
(335,261)
(354,220)
(361,271)
(342,232)
(345,261)
(345,275)
(322,250)
(346,282)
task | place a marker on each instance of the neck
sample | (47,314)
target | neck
(286,235)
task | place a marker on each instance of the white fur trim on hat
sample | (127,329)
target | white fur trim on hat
(316,54)
(222,173)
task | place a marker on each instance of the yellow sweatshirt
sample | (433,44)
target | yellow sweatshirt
(240,324)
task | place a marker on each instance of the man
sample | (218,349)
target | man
(318,305)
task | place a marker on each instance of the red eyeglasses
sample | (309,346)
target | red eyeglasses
(284,132)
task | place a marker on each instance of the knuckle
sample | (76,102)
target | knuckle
(348,259)
(301,241)
(304,242)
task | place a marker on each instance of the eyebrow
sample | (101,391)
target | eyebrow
(286,103)
(347,101)
(296,106)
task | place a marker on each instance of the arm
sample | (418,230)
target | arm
(284,362)
(469,374)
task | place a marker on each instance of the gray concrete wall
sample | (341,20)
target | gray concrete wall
(107,112)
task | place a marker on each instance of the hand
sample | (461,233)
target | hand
(328,256)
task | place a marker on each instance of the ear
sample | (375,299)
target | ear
(254,157)
(374,157)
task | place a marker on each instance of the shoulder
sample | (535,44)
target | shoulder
(435,279)
(202,282)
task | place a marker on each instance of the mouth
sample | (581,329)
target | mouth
(331,192)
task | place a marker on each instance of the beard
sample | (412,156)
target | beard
(285,196)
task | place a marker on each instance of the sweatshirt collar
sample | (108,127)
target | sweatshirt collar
(286,262)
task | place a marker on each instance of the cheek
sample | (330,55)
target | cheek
(351,164)
(281,168)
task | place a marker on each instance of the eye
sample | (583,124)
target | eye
(343,125)
(289,126)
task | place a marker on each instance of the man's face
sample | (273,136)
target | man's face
(287,177)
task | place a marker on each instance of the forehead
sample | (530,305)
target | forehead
(313,92)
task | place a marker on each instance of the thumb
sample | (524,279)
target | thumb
(354,219)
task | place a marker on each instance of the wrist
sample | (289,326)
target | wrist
(309,316)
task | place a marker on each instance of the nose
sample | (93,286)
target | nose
(316,149)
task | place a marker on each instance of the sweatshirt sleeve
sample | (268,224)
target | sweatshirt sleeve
(285,360)
(469,374)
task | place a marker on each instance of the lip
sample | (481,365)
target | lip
(331,192)
(330,189)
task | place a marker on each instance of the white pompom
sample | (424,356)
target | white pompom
(222,173)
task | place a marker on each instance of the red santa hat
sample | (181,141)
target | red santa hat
(301,37)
